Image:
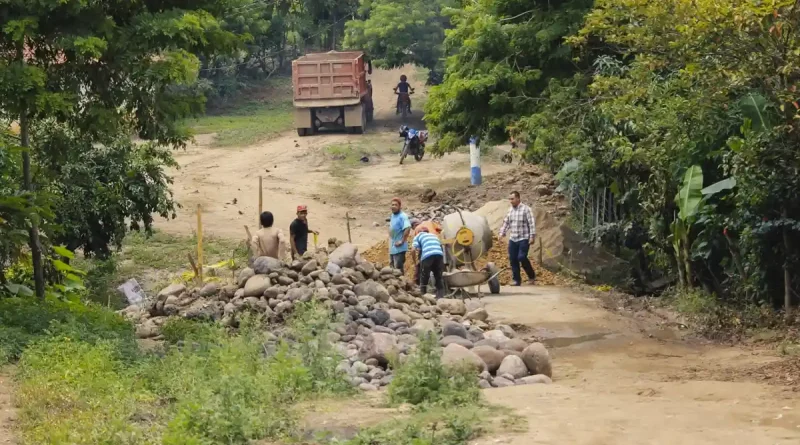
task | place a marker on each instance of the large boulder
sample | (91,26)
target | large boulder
(479,314)
(491,356)
(514,344)
(423,326)
(537,359)
(452,306)
(379,316)
(514,366)
(379,346)
(536,379)
(256,285)
(172,289)
(344,256)
(457,340)
(265,265)
(496,335)
(309,267)
(399,316)
(209,289)
(373,289)
(452,328)
(455,355)
(245,275)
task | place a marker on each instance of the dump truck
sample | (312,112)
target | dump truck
(331,90)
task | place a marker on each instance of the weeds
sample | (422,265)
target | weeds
(423,380)
(433,427)
(25,320)
(720,320)
(215,387)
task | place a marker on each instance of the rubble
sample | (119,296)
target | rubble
(381,311)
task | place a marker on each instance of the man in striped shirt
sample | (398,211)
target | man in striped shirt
(520,226)
(431,256)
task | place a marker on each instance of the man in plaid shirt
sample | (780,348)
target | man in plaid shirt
(520,226)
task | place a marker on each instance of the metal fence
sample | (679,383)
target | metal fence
(592,208)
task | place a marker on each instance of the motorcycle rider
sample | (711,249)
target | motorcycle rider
(403,87)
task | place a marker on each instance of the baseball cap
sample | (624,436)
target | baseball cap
(302,209)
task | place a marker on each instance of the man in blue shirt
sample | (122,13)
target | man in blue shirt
(431,256)
(399,228)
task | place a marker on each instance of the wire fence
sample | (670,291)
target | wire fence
(592,208)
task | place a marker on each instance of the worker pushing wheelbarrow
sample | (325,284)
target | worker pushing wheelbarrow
(465,237)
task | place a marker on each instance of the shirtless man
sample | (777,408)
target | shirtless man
(268,241)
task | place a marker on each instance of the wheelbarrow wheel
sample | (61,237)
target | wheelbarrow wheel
(494,283)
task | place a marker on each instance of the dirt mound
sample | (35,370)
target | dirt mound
(536,186)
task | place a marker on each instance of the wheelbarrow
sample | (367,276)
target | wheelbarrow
(460,280)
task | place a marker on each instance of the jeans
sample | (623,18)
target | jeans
(435,264)
(518,255)
(398,261)
(398,104)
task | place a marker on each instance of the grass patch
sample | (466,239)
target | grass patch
(257,114)
(724,320)
(24,321)
(154,261)
(216,387)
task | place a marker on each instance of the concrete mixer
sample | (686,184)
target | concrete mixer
(466,237)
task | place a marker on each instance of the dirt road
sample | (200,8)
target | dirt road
(8,413)
(306,171)
(621,380)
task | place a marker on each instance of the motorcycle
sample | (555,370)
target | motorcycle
(404,102)
(413,143)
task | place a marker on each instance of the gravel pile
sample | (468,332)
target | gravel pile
(382,314)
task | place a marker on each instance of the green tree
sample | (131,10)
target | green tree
(102,69)
(395,33)
(502,54)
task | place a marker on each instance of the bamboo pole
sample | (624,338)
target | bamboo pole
(260,198)
(199,243)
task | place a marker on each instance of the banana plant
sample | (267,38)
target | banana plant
(690,200)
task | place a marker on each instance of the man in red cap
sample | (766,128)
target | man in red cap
(298,232)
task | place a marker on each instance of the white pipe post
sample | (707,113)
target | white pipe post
(474,161)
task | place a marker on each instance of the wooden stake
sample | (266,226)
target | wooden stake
(199,243)
(193,264)
(541,252)
(260,198)
(349,237)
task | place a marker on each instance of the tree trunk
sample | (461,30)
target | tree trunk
(787,276)
(36,247)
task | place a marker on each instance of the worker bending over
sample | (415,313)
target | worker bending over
(431,257)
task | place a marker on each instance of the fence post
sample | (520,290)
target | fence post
(199,243)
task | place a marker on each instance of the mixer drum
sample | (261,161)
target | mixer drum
(458,255)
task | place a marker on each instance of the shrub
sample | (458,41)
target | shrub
(178,329)
(26,319)
(309,328)
(424,380)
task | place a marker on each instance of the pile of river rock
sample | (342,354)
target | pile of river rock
(382,315)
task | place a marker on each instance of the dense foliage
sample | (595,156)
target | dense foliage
(687,111)
(395,33)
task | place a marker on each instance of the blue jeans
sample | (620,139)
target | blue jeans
(518,255)
(398,261)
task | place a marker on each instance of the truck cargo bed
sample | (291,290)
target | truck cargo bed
(329,79)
